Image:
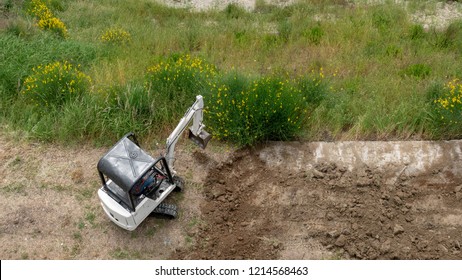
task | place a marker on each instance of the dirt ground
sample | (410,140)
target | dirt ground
(49,207)
(346,200)
(268,204)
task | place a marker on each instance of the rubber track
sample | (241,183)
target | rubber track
(167,210)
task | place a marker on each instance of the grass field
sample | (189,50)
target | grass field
(353,70)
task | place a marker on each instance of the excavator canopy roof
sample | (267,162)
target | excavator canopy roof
(125,163)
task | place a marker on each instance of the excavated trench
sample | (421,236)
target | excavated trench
(355,200)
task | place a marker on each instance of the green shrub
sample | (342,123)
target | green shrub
(46,19)
(247,112)
(174,83)
(55,83)
(115,36)
(447,103)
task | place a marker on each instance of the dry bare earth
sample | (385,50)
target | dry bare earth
(49,207)
(362,200)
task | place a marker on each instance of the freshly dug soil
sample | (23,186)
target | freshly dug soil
(255,209)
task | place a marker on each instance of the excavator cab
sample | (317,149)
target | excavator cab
(128,176)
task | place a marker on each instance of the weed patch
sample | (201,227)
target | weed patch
(90,217)
(122,254)
(314,34)
(46,19)
(14,188)
(417,32)
(55,83)
(17,161)
(420,71)
(234,11)
(115,36)
(84,194)
(77,236)
(447,105)
(81,225)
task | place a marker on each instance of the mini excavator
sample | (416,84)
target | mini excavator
(135,185)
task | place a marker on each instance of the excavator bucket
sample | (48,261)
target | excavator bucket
(201,139)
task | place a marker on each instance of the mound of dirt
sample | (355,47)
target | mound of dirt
(256,210)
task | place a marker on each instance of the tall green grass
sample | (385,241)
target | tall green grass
(19,55)
(378,66)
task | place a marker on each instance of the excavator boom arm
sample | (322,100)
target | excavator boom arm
(196,132)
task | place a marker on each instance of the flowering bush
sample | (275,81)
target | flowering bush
(39,9)
(179,78)
(46,19)
(55,83)
(116,36)
(180,68)
(240,109)
(247,112)
(448,103)
(53,24)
